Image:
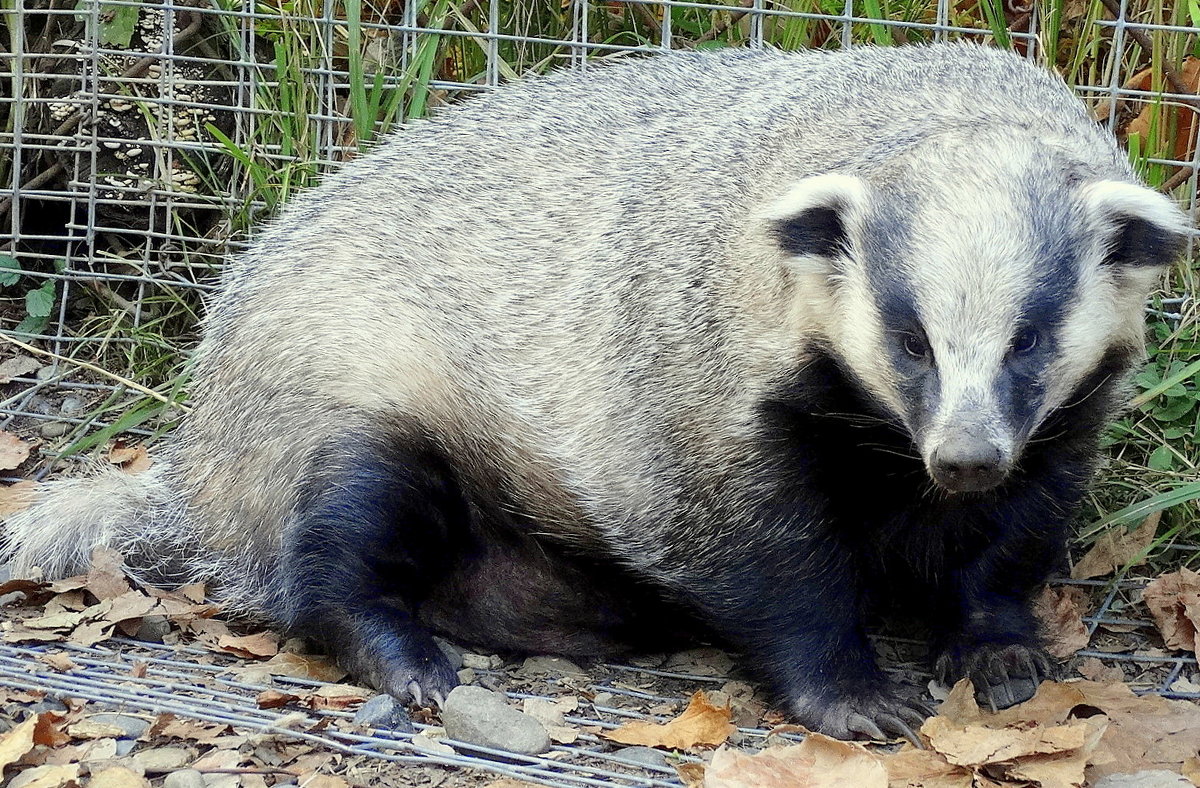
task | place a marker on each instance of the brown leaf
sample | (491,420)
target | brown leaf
(106,576)
(256,646)
(91,633)
(323,781)
(59,661)
(692,774)
(17,742)
(913,768)
(17,366)
(117,777)
(701,724)
(299,666)
(1059,610)
(130,605)
(62,775)
(1095,670)
(169,726)
(13,451)
(1184,119)
(17,497)
(131,459)
(1174,602)
(1191,769)
(273,699)
(1116,548)
(337,697)
(816,762)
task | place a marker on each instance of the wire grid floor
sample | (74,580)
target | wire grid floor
(188,688)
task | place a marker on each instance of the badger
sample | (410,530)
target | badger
(742,345)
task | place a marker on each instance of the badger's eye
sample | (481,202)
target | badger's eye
(916,346)
(1025,342)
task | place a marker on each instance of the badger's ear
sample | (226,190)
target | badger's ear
(1141,228)
(809,222)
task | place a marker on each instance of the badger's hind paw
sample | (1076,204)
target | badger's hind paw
(1003,675)
(882,716)
(410,667)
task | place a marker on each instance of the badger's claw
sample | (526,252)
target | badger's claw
(883,716)
(408,666)
(1003,675)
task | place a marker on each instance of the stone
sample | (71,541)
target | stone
(453,653)
(479,716)
(163,759)
(131,727)
(476,661)
(184,778)
(642,756)
(382,711)
(553,665)
(153,629)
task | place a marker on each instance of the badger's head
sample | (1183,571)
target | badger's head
(974,307)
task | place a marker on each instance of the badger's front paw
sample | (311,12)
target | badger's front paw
(1003,674)
(882,715)
(407,665)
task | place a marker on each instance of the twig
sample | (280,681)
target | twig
(33,183)
(98,370)
(1177,84)
(1180,176)
(720,28)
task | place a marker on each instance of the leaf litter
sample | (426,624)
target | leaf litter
(1069,734)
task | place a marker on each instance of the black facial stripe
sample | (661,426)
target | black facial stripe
(886,241)
(818,231)
(1021,385)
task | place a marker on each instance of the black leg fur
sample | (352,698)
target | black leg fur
(376,527)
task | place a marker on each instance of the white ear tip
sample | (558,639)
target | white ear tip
(817,191)
(1108,198)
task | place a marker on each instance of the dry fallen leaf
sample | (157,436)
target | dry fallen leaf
(17,366)
(261,644)
(913,768)
(1185,120)
(1174,602)
(59,661)
(337,697)
(700,724)
(52,776)
(131,459)
(1059,610)
(273,699)
(1095,670)
(816,762)
(323,781)
(106,575)
(169,726)
(117,777)
(17,497)
(17,742)
(299,666)
(13,451)
(1117,548)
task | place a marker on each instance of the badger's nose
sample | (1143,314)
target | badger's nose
(967,463)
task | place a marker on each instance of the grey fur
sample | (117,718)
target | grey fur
(570,283)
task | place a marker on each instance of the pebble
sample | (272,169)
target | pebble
(642,756)
(555,665)
(131,727)
(124,747)
(54,429)
(466,676)
(72,405)
(452,652)
(153,629)
(427,745)
(1153,778)
(184,778)
(476,661)
(478,716)
(163,759)
(5,573)
(49,704)
(382,711)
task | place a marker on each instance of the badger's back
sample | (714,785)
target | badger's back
(554,282)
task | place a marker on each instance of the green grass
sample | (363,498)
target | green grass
(1153,451)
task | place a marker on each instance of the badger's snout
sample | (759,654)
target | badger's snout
(966,462)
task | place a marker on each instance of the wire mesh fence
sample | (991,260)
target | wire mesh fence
(142,141)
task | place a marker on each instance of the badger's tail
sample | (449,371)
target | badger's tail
(138,515)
